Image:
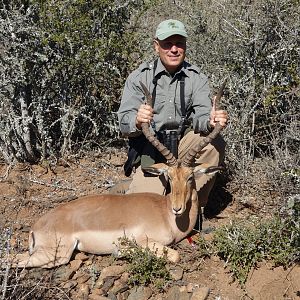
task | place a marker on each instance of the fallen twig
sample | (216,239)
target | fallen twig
(54,185)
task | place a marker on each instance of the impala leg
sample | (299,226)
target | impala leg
(41,258)
(160,250)
(46,256)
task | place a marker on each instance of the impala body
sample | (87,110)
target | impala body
(94,223)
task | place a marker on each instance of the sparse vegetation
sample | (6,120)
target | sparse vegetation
(243,244)
(144,266)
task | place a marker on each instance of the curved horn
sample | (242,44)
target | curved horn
(171,160)
(191,155)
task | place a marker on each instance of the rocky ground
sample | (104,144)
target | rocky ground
(27,192)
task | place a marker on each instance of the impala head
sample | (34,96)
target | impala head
(181,175)
(182,184)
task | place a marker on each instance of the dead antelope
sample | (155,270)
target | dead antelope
(94,223)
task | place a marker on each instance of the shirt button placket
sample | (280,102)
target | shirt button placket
(170,105)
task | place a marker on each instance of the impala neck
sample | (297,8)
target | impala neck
(184,224)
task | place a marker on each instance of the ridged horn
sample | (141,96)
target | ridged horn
(171,159)
(191,155)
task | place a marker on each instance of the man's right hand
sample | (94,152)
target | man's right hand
(144,115)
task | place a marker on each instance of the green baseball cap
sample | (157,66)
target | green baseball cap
(170,27)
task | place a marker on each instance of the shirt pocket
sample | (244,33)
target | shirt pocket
(159,104)
(187,101)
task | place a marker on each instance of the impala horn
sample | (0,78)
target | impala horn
(191,155)
(171,159)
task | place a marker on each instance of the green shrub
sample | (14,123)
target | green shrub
(144,266)
(64,65)
(243,245)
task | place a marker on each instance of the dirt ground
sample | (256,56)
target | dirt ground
(27,192)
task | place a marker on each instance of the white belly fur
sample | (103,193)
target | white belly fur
(105,242)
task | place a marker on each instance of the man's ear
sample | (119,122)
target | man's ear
(155,45)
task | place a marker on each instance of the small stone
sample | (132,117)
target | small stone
(176,272)
(140,293)
(182,289)
(69,284)
(191,287)
(63,274)
(125,277)
(200,293)
(75,264)
(123,296)
(111,271)
(81,277)
(97,292)
(97,297)
(81,256)
(119,287)
(84,290)
(173,293)
(108,283)
(88,262)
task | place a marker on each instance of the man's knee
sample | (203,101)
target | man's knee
(219,145)
(212,153)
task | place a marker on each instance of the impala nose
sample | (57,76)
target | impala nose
(177,210)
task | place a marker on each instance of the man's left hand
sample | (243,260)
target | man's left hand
(216,116)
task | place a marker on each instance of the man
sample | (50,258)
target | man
(181,105)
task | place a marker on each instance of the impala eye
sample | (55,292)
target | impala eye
(190,177)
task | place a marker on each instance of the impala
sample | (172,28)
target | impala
(94,223)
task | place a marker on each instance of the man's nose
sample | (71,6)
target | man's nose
(174,48)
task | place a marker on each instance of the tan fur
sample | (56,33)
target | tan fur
(94,223)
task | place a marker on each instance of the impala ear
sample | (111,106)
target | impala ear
(154,171)
(199,170)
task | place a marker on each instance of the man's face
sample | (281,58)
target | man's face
(171,51)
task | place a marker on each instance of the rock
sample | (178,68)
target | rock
(88,262)
(200,293)
(75,264)
(112,271)
(107,284)
(175,293)
(81,277)
(69,284)
(63,274)
(182,289)
(97,297)
(84,291)
(119,287)
(97,292)
(112,296)
(176,272)
(81,256)
(157,297)
(125,277)
(140,293)
(191,287)
(123,296)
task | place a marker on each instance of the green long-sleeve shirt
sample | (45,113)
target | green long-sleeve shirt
(167,106)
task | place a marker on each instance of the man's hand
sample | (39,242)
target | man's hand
(220,116)
(144,115)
